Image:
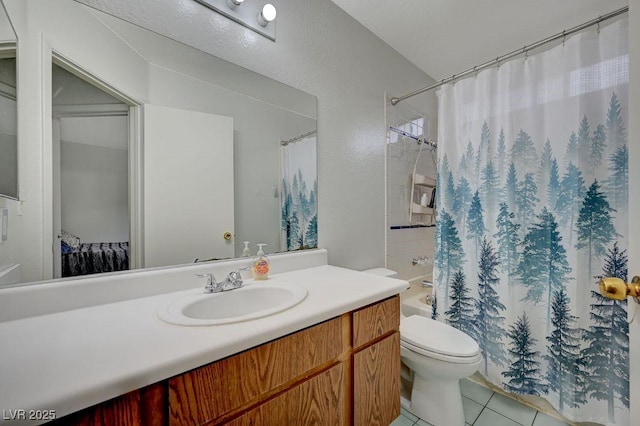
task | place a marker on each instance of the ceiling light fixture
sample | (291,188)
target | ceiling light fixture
(267,14)
(254,15)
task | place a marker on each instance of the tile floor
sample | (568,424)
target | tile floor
(483,407)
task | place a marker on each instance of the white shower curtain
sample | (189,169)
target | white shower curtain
(532,208)
(299,194)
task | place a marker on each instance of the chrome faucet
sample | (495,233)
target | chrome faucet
(421,261)
(429,298)
(231,282)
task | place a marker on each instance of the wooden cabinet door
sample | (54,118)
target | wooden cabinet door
(222,389)
(376,375)
(142,407)
(374,321)
(321,400)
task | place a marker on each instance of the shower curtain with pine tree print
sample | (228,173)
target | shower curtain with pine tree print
(298,195)
(532,208)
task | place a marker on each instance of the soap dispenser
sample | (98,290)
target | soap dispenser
(260,267)
(246,252)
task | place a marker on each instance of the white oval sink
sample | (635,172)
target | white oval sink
(246,303)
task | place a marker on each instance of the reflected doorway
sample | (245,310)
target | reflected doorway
(91,211)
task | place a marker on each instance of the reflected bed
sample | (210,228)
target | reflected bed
(94,258)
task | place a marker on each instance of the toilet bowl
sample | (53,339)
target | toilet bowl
(438,356)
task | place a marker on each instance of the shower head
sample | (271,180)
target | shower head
(427,142)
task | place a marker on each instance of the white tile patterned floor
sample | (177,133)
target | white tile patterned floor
(483,407)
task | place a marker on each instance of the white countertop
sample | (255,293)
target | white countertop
(70,360)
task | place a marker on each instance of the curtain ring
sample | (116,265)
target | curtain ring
(564,37)
(498,62)
(475,70)
(525,52)
(599,26)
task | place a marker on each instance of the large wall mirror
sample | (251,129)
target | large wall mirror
(8,136)
(8,112)
(134,150)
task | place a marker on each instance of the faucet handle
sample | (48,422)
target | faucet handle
(211,286)
(210,278)
(235,278)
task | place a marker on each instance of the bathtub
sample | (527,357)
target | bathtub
(415,300)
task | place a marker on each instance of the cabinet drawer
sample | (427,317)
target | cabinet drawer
(376,378)
(318,401)
(375,321)
(209,392)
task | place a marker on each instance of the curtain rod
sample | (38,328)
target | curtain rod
(297,138)
(510,55)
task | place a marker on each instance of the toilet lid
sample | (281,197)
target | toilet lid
(438,337)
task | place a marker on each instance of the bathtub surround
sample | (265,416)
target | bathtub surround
(408,235)
(537,208)
(405,244)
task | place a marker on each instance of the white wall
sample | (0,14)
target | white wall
(634,200)
(101,131)
(325,52)
(94,192)
(6,32)
(94,178)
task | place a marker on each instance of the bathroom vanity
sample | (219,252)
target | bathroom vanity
(342,371)
(334,358)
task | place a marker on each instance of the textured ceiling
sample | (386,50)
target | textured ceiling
(445,37)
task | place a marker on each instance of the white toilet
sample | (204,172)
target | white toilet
(438,356)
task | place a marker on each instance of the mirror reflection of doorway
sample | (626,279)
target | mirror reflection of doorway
(8,124)
(91,180)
